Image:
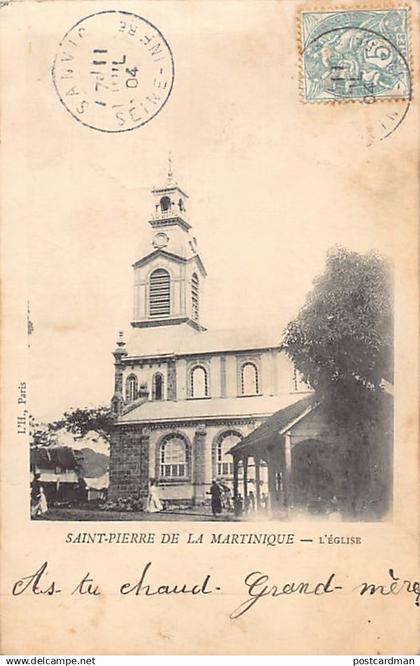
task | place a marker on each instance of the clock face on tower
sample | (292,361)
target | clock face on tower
(160,240)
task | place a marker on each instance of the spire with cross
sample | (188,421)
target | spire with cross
(170,172)
(171,182)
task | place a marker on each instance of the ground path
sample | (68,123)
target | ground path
(200,514)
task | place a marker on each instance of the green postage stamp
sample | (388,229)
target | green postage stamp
(355,54)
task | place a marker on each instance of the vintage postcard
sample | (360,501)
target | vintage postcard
(209,339)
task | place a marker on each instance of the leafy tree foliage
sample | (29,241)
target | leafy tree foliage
(343,334)
(80,421)
(40,433)
(341,341)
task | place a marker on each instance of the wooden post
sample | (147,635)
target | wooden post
(272,500)
(245,478)
(257,482)
(235,476)
(288,472)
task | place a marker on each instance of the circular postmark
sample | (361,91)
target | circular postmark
(114,71)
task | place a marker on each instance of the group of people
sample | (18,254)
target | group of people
(221,498)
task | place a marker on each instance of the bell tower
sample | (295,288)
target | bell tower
(169,274)
(170,203)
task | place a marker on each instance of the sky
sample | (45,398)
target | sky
(273,183)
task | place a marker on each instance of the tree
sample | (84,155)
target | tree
(80,421)
(341,341)
(343,334)
(40,433)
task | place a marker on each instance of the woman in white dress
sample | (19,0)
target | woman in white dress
(153,501)
(43,506)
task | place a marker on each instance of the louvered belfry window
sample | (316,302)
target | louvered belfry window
(160,293)
(195,296)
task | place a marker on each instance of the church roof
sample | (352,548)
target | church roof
(158,411)
(183,340)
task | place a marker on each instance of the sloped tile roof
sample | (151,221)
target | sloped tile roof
(184,340)
(275,423)
(167,410)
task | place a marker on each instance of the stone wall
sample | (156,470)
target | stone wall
(200,464)
(129,462)
(134,458)
(171,380)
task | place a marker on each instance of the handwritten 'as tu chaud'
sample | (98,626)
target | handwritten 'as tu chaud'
(257,584)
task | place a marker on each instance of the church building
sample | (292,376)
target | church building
(185,395)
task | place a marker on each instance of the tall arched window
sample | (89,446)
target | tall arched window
(159,293)
(131,388)
(223,458)
(174,458)
(195,296)
(249,379)
(199,385)
(165,204)
(157,386)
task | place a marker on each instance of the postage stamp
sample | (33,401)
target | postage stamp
(355,54)
(113,71)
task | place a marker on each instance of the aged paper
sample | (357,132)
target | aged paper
(220,152)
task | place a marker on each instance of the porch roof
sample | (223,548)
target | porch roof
(274,425)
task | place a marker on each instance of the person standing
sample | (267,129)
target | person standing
(43,504)
(39,504)
(35,495)
(154,505)
(238,505)
(216,498)
(251,498)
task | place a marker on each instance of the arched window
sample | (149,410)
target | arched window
(181,205)
(174,458)
(223,458)
(157,386)
(131,390)
(249,379)
(165,204)
(199,386)
(195,296)
(159,293)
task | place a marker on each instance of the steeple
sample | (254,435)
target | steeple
(169,273)
(119,353)
(170,172)
(170,202)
